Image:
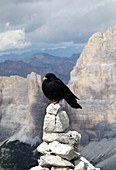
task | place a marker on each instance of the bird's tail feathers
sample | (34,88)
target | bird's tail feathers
(74,104)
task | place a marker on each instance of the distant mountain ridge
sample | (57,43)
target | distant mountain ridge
(61,52)
(40,64)
(18,56)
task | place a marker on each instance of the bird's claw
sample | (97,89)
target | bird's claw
(55,102)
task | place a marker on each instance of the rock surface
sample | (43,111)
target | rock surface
(63,150)
(93,80)
(54,161)
(59,155)
(54,122)
(21,108)
(39,168)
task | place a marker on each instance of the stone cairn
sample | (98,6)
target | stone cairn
(60,145)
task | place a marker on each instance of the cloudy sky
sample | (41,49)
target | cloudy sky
(42,24)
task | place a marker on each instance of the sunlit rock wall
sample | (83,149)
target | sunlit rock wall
(93,80)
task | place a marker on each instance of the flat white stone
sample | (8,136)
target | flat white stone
(51,160)
(89,165)
(43,148)
(61,168)
(80,166)
(63,150)
(84,160)
(50,137)
(39,168)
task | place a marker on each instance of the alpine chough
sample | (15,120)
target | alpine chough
(55,90)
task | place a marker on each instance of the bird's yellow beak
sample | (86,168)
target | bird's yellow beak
(44,78)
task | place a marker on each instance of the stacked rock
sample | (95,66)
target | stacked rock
(60,145)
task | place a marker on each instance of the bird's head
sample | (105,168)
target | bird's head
(49,77)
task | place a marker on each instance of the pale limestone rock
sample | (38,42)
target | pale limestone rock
(88,168)
(21,108)
(39,168)
(52,160)
(55,121)
(71,137)
(84,160)
(84,163)
(61,168)
(43,148)
(35,168)
(93,80)
(74,135)
(50,137)
(88,164)
(80,166)
(66,138)
(62,150)
(36,102)
(53,108)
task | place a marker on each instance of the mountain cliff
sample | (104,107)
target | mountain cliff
(21,108)
(93,79)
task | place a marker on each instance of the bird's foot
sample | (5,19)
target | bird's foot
(55,102)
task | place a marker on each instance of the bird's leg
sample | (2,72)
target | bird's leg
(55,102)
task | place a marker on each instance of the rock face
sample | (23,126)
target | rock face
(21,108)
(93,80)
(53,119)
(58,154)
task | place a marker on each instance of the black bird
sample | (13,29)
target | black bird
(55,90)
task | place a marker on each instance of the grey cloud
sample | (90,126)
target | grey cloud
(55,21)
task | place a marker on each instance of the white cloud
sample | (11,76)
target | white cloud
(14,39)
